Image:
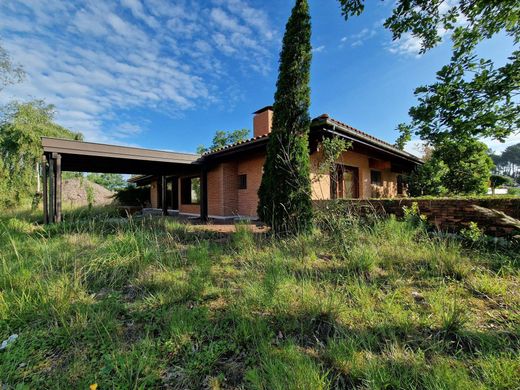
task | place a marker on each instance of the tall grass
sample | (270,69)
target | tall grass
(154,303)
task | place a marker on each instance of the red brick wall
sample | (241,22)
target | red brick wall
(446,214)
(248,198)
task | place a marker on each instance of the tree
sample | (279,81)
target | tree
(508,163)
(472,98)
(285,202)
(224,138)
(21,127)
(10,73)
(499,181)
(428,179)
(111,181)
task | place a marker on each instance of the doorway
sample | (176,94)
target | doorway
(345,182)
(172,193)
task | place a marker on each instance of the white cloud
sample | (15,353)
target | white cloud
(416,146)
(318,49)
(499,147)
(360,38)
(407,45)
(410,45)
(96,60)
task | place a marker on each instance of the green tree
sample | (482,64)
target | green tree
(223,138)
(508,163)
(21,127)
(285,202)
(499,181)
(428,179)
(10,73)
(471,98)
(112,181)
(469,166)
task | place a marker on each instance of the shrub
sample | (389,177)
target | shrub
(133,196)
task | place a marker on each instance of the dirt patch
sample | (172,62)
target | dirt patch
(81,192)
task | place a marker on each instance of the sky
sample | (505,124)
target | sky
(167,74)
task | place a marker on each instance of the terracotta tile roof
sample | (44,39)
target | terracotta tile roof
(366,136)
(325,118)
(247,141)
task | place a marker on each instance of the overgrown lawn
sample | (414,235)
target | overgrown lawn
(135,304)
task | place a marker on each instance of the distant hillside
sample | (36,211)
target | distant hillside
(75,193)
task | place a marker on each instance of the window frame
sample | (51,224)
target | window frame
(378,183)
(242,181)
(187,191)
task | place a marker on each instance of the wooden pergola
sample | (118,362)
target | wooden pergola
(60,155)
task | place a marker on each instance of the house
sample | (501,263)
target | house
(227,185)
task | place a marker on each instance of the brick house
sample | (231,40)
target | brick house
(227,185)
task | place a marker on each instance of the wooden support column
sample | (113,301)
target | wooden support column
(45,191)
(52,192)
(58,188)
(164,192)
(204,195)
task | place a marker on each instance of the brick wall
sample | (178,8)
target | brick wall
(248,198)
(448,214)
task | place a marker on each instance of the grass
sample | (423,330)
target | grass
(134,304)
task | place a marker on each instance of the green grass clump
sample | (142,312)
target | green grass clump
(155,303)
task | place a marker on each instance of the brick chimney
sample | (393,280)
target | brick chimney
(263,121)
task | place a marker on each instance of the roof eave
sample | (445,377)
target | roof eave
(355,136)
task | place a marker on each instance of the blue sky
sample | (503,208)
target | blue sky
(167,74)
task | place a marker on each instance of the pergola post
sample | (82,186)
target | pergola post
(58,186)
(204,195)
(164,195)
(45,191)
(52,191)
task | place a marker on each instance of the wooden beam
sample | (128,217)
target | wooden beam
(45,191)
(204,195)
(163,196)
(58,187)
(52,192)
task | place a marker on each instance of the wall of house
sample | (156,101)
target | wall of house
(222,190)
(248,198)
(320,182)
(154,194)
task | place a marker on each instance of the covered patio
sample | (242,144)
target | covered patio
(60,155)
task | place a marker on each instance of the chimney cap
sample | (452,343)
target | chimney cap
(263,109)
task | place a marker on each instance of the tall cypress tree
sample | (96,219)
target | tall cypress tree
(285,200)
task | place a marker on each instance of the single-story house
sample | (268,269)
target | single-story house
(227,185)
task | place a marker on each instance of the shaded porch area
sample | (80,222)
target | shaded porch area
(60,155)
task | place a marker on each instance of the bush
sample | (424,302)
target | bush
(133,196)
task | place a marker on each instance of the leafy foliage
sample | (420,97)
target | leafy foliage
(223,138)
(332,149)
(454,168)
(428,179)
(21,127)
(285,202)
(508,163)
(112,181)
(472,97)
(10,73)
(499,181)
(469,166)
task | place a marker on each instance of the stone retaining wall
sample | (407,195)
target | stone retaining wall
(450,214)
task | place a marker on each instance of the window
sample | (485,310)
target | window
(400,185)
(375,178)
(242,182)
(190,190)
